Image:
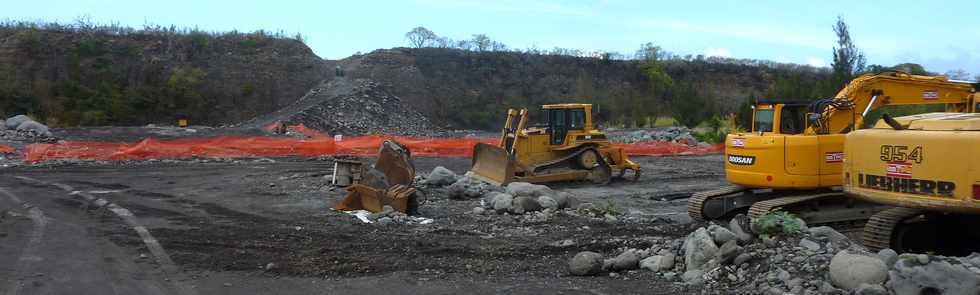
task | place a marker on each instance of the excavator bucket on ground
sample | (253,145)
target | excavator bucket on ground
(387,182)
(492,164)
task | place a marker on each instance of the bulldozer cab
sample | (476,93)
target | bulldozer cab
(563,118)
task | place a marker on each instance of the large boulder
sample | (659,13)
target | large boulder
(699,248)
(658,263)
(468,188)
(625,261)
(940,275)
(13,122)
(738,226)
(827,233)
(501,202)
(548,202)
(728,252)
(441,176)
(850,270)
(720,234)
(585,264)
(524,189)
(524,204)
(35,127)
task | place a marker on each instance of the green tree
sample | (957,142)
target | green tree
(421,37)
(911,68)
(848,59)
(652,65)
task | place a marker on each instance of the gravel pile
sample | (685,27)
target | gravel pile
(665,134)
(24,129)
(732,260)
(355,107)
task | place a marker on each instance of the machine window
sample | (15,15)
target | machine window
(577,119)
(763,121)
(791,120)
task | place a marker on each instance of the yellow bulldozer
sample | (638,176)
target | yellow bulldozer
(927,167)
(792,157)
(565,146)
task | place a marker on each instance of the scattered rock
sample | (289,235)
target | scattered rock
(479,210)
(828,234)
(850,270)
(737,227)
(869,289)
(523,205)
(564,200)
(625,261)
(720,234)
(742,258)
(441,176)
(524,189)
(654,263)
(699,247)
(693,277)
(942,275)
(809,245)
(547,202)
(502,202)
(585,264)
(468,187)
(728,252)
(888,256)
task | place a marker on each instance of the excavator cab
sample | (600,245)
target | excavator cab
(564,147)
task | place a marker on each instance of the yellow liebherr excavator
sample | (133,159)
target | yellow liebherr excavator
(792,158)
(565,147)
(928,168)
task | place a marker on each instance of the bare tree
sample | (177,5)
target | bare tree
(421,37)
(957,74)
(481,42)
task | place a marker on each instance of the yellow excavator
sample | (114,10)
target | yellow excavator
(928,168)
(564,147)
(792,158)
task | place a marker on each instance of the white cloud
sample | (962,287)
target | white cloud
(815,61)
(719,52)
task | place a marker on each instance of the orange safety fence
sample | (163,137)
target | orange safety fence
(318,145)
(6,149)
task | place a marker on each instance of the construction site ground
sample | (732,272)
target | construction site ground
(264,226)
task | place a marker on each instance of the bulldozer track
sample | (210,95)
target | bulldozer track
(544,165)
(878,231)
(695,205)
(762,208)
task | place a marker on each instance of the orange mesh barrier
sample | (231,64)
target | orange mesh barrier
(319,145)
(5,149)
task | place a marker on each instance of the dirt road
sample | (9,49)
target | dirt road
(260,227)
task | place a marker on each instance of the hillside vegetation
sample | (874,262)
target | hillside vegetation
(84,74)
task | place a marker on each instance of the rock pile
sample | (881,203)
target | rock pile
(389,215)
(665,134)
(356,107)
(818,260)
(23,128)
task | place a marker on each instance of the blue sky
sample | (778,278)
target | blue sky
(941,35)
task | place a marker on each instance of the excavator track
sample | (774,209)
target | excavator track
(695,205)
(762,208)
(880,228)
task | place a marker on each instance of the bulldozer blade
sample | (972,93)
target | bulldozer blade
(492,164)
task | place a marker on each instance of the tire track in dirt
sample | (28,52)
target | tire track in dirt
(29,253)
(162,258)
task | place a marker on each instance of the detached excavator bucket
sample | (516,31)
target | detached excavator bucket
(388,182)
(492,164)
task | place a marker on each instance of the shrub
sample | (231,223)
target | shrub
(778,222)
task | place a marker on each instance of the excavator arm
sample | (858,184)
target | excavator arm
(872,91)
